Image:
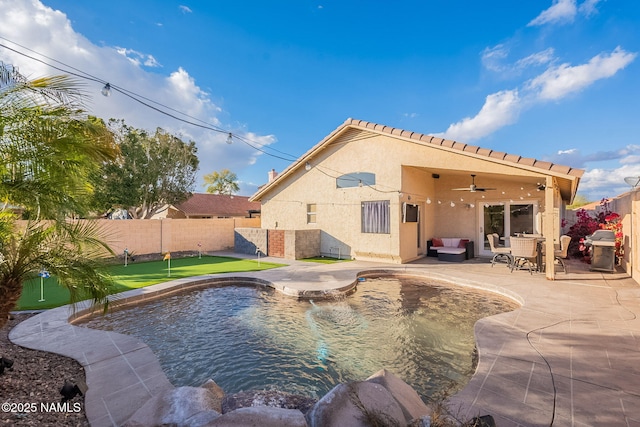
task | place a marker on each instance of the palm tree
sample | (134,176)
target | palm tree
(48,146)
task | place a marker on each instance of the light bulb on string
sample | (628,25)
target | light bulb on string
(230,138)
(106,90)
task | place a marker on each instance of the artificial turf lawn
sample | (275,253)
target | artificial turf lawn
(138,275)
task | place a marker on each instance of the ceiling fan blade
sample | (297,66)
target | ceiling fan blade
(485,189)
(461,189)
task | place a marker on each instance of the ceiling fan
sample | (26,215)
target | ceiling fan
(473,187)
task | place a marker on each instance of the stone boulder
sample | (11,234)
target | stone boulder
(357,404)
(270,398)
(260,416)
(412,405)
(217,393)
(176,407)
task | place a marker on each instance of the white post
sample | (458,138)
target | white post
(41,288)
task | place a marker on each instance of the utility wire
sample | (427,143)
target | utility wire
(139,98)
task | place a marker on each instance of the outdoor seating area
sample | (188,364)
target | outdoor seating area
(526,251)
(450,249)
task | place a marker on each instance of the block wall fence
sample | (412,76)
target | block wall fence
(153,236)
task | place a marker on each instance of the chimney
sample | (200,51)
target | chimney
(272,175)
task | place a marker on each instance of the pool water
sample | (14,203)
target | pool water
(246,337)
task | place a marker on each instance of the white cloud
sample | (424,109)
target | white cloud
(569,151)
(561,11)
(496,59)
(599,183)
(138,58)
(539,58)
(564,79)
(49,32)
(631,160)
(564,12)
(492,57)
(500,109)
(588,7)
(185,9)
(575,158)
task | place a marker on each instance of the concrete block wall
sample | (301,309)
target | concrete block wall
(247,240)
(152,236)
(301,244)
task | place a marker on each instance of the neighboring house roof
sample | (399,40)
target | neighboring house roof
(568,186)
(205,204)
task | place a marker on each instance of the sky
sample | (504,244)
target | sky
(556,80)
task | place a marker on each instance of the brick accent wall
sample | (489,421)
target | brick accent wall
(275,243)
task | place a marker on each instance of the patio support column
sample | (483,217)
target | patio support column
(548,227)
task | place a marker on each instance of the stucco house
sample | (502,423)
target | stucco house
(379,193)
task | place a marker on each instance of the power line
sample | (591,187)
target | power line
(139,98)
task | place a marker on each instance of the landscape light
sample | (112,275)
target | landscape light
(106,90)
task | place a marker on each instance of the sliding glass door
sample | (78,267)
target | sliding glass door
(506,218)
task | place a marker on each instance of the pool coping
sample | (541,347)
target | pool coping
(502,340)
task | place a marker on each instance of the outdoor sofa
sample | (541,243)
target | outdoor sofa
(451,249)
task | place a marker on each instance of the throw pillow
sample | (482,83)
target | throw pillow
(436,242)
(463,243)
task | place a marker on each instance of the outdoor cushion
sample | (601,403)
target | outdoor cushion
(436,242)
(450,250)
(450,242)
(463,243)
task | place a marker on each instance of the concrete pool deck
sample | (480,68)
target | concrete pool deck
(568,357)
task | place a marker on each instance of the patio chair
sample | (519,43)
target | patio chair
(561,254)
(524,251)
(498,253)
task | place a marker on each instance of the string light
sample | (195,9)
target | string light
(162,109)
(106,90)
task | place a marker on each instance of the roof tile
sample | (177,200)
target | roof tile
(543,165)
(497,155)
(528,161)
(447,143)
(205,204)
(561,168)
(471,148)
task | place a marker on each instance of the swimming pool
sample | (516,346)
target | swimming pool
(248,337)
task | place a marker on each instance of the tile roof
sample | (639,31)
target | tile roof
(205,204)
(467,148)
(569,174)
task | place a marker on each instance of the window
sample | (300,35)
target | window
(311,213)
(375,217)
(356,179)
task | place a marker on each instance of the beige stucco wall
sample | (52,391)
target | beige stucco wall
(151,236)
(628,206)
(402,169)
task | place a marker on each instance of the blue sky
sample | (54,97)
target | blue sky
(556,80)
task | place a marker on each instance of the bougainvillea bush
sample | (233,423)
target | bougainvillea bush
(587,224)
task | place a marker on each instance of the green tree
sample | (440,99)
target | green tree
(223,182)
(48,147)
(579,200)
(153,171)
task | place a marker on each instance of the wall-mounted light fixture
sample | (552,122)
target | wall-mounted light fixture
(307,166)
